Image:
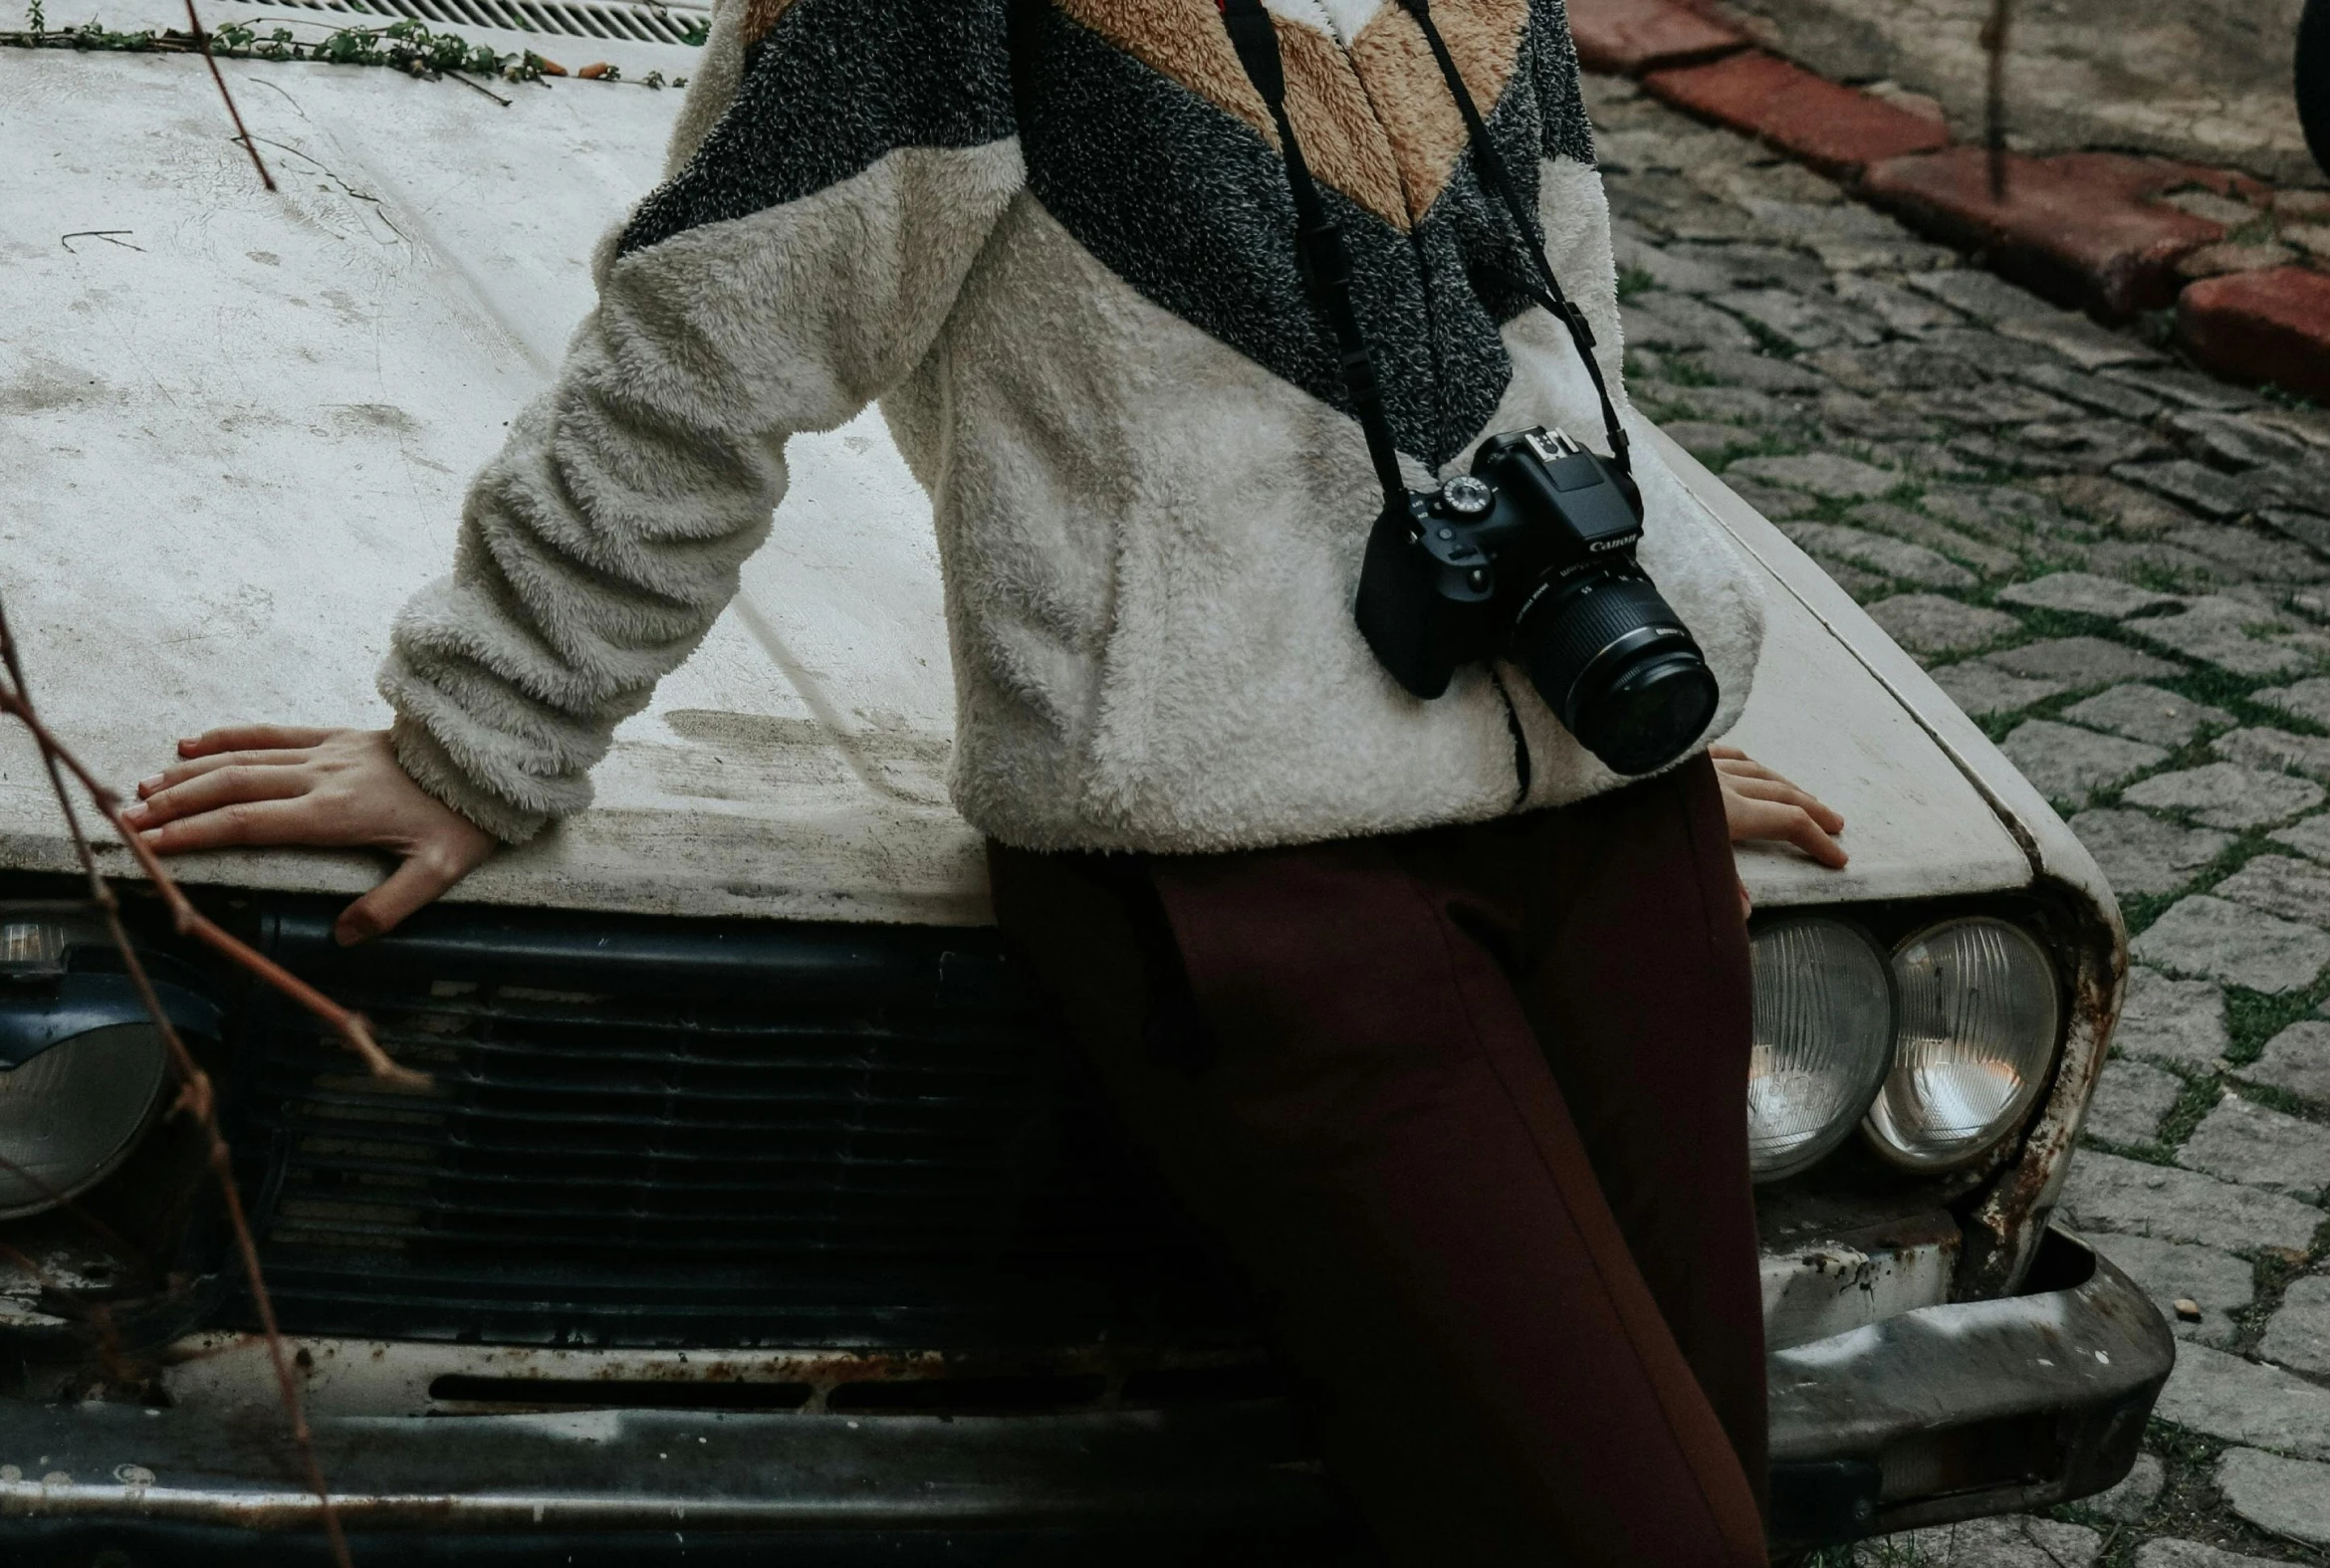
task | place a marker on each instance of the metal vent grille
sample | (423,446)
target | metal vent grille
(814,1142)
(642,24)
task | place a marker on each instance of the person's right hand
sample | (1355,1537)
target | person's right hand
(263,783)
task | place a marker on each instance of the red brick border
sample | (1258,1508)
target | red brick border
(1628,37)
(2261,327)
(1834,128)
(2080,229)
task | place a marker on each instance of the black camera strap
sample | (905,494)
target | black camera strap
(1326,259)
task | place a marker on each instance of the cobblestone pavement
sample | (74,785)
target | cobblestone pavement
(2206,82)
(2049,514)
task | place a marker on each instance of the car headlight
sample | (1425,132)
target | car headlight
(1980,1016)
(1824,1031)
(81,1066)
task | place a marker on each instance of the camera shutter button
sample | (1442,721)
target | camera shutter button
(1466,496)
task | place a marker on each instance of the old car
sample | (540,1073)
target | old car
(747,1213)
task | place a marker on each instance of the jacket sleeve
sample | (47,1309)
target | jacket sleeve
(839,166)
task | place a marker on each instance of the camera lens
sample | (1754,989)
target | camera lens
(1616,665)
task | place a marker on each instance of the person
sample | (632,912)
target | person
(1437,1025)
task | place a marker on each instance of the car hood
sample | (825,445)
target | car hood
(238,426)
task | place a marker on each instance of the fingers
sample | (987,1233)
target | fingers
(252,736)
(181,771)
(409,887)
(1761,822)
(1780,791)
(208,792)
(243,822)
(1727,754)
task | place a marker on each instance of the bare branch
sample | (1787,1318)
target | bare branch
(198,1095)
(202,39)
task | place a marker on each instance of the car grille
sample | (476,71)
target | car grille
(672,1133)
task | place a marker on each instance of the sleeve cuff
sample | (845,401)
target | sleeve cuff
(423,757)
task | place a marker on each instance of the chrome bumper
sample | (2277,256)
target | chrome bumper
(1938,1414)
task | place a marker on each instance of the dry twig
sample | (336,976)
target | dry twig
(202,39)
(196,1096)
(1995,130)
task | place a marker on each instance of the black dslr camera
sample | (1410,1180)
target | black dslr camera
(1530,557)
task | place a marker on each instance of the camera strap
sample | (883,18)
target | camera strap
(1326,261)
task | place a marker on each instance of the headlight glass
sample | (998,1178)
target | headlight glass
(1980,1015)
(1823,1035)
(72,1113)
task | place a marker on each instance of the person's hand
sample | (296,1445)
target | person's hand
(1762,808)
(265,783)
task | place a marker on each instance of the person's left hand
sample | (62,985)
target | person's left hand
(1762,808)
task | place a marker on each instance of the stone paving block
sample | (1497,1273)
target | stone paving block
(2084,594)
(1991,406)
(2093,444)
(2296,1061)
(2132,1497)
(2130,1099)
(1985,296)
(2108,1192)
(2015,1540)
(2222,1395)
(2307,699)
(2298,1334)
(1704,440)
(2142,853)
(2146,713)
(2280,885)
(1824,474)
(1886,371)
(2079,339)
(1983,689)
(2084,661)
(1899,559)
(1770,500)
(2133,511)
(2191,485)
(2310,529)
(1930,623)
(2216,1282)
(2226,794)
(1891,304)
(2075,227)
(2261,1147)
(2284,1496)
(1988,560)
(2169,1552)
(1666,270)
(2067,763)
(2260,326)
(1736,367)
(2263,748)
(2230,942)
(1680,322)
(1831,127)
(2179,1021)
(1735,405)
(2245,552)
(1631,36)
(2091,392)
(2238,440)
(1800,323)
(2310,837)
(2187,388)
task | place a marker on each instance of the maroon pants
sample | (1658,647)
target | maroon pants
(1466,1108)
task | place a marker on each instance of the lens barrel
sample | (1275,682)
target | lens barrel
(1619,669)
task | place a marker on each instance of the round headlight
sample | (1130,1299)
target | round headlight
(73,1113)
(1823,1035)
(1980,1015)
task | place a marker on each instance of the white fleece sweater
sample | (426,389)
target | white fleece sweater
(1053,238)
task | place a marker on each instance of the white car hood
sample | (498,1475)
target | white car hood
(234,435)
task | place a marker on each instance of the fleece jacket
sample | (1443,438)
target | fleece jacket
(1055,240)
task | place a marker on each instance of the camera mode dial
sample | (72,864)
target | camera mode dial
(1466,496)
